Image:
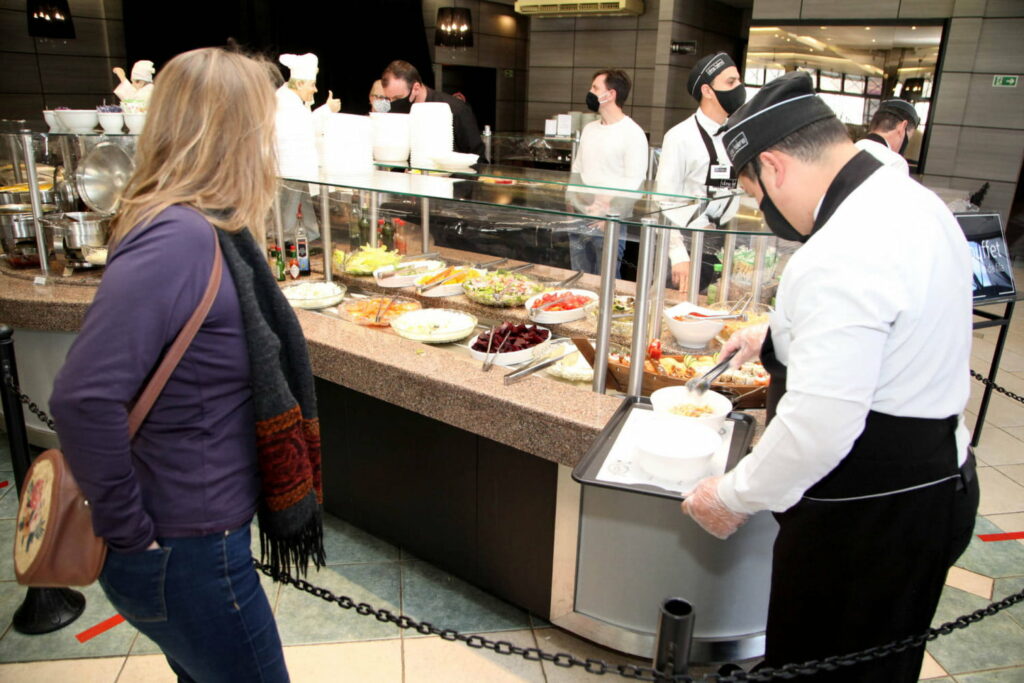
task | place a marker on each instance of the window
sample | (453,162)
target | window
(853,85)
(830,81)
(875,86)
(753,76)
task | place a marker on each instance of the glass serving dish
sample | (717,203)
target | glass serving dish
(376,311)
(312,295)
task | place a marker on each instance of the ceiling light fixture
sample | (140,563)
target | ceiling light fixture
(454,27)
(50,19)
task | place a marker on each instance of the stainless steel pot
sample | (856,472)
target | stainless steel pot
(85,228)
(25,197)
(17,226)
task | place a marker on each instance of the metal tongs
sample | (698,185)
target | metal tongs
(384,306)
(424,288)
(490,358)
(698,385)
(513,377)
(488,264)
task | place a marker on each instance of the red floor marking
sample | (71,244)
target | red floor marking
(3,483)
(988,538)
(99,628)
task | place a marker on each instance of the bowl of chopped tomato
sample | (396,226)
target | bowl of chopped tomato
(560,305)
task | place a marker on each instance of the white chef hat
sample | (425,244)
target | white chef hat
(143,70)
(302,67)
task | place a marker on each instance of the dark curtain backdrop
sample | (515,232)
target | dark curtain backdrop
(354,40)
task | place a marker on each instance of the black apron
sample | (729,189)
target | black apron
(718,177)
(861,560)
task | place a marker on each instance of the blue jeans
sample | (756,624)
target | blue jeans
(585,253)
(201,601)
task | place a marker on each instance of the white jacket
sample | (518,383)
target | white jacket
(297,130)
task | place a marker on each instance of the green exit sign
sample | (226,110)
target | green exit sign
(1004,81)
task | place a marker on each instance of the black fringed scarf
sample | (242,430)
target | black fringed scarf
(287,428)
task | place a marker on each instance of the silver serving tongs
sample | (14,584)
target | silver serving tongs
(424,288)
(698,385)
(513,377)
(488,264)
(384,306)
(569,281)
(520,269)
(489,360)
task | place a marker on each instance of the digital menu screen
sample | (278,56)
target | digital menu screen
(991,265)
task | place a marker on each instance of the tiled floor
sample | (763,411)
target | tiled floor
(325,643)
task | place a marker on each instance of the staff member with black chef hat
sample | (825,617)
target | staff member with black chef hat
(693,160)
(865,461)
(889,132)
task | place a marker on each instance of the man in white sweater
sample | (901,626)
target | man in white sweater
(612,155)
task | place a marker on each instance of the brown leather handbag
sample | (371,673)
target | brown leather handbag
(54,543)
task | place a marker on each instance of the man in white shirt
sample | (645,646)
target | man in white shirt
(612,155)
(297,129)
(889,132)
(693,161)
(865,458)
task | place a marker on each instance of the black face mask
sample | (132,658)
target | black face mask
(777,223)
(403,105)
(731,100)
(593,104)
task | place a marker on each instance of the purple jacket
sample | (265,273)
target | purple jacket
(191,469)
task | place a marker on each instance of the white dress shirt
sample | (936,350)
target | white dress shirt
(683,169)
(873,313)
(887,156)
(128,91)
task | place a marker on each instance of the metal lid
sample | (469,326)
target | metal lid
(102,176)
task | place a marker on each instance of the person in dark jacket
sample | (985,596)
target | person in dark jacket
(404,87)
(175,503)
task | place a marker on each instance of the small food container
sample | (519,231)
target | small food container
(135,122)
(575,306)
(112,122)
(314,295)
(411,270)
(510,357)
(80,121)
(675,401)
(692,333)
(677,451)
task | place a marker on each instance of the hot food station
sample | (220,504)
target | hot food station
(520,424)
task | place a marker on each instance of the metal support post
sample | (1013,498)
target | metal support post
(663,235)
(374,237)
(425,221)
(696,259)
(44,609)
(672,643)
(609,258)
(986,396)
(757,278)
(278,221)
(37,201)
(726,281)
(12,143)
(641,307)
(325,231)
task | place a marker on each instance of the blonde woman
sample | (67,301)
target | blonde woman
(232,434)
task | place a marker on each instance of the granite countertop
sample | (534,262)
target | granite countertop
(542,416)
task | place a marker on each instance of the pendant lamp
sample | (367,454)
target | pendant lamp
(50,19)
(454,27)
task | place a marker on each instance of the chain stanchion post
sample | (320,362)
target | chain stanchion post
(672,642)
(43,610)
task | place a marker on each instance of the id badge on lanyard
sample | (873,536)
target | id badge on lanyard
(721,176)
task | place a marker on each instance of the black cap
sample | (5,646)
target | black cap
(705,70)
(903,109)
(780,108)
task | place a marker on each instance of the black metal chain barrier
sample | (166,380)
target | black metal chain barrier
(32,407)
(643,673)
(599,667)
(989,383)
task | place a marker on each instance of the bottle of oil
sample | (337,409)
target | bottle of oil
(301,243)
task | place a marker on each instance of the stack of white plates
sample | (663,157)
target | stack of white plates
(347,145)
(431,133)
(390,137)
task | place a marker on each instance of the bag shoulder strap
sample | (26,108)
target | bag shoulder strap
(178,347)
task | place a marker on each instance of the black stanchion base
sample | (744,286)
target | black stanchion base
(45,610)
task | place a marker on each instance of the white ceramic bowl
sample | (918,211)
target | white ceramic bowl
(112,122)
(693,334)
(52,121)
(78,120)
(664,400)
(677,451)
(512,357)
(429,266)
(434,325)
(556,317)
(391,154)
(135,122)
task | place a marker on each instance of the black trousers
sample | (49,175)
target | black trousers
(851,575)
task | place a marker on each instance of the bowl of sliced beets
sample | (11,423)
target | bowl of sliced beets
(513,343)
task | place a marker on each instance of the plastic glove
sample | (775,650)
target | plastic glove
(708,510)
(748,341)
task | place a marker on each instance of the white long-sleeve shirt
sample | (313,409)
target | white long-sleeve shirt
(612,155)
(873,313)
(887,156)
(683,169)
